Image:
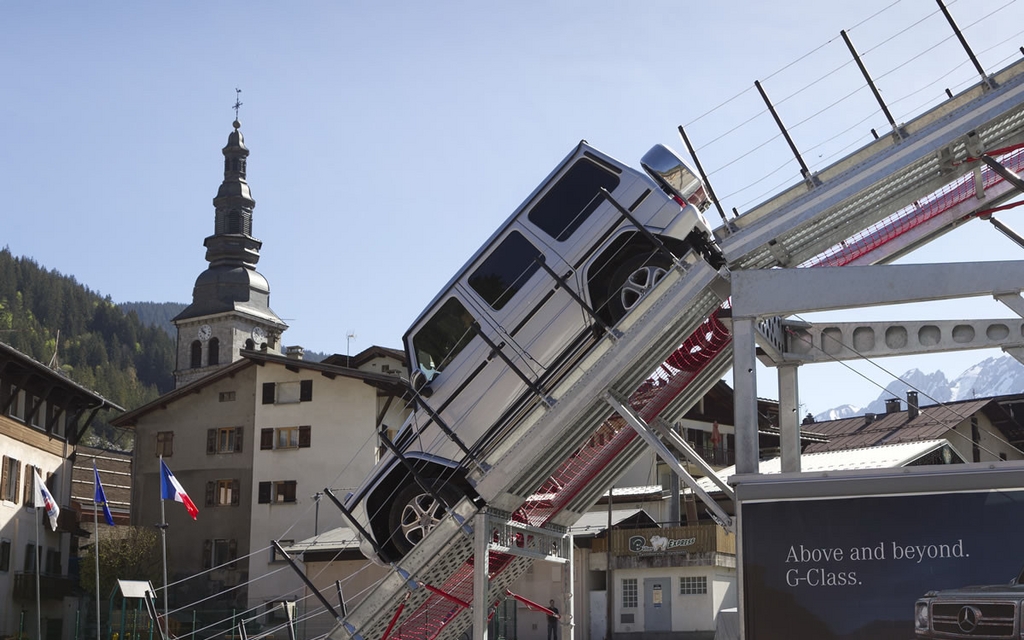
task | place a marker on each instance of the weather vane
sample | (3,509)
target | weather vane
(238,101)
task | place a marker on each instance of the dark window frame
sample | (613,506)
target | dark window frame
(573,199)
(505,270)
(444,335)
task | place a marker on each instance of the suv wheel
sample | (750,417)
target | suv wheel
(415,512)
(634,278)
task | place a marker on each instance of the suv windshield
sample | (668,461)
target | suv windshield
(442,337)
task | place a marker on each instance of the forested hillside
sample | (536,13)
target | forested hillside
(100,347)
(158,314)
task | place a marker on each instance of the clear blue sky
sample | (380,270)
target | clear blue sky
(389,139)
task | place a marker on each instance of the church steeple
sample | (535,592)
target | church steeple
(234,204)
(231,300)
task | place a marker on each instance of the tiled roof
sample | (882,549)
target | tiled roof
(888,428)
(890,456)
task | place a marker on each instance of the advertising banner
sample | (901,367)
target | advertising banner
(938,565)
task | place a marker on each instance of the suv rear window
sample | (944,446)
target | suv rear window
(572,199)
(506,270)
(443,336)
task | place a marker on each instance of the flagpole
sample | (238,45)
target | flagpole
(96,549)
(39,607)
(163,540)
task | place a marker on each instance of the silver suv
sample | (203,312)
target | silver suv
(569,263)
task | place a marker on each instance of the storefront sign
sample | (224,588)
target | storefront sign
(645,544)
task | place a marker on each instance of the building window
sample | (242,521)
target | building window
(165,443)
(213,352)
(630,597)
(220,553)
(223,493)
(30,558)
(286,438)
(35,406)
(53,564)
(287,392)
(5,555)
(279,491)
(197,354)
(693,585)
(277,556)
(15,409)
(227,396)
(224,440)
(10,479)
(276,610)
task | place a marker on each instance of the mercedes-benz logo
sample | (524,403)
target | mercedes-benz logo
(968,618)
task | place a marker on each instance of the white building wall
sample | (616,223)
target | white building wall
(18,525)
(691,612)
(341,416)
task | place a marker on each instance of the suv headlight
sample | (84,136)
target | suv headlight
(921,615)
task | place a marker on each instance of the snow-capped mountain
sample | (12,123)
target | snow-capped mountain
(990,377)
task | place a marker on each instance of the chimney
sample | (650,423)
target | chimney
(892,405)
(294,352)
(868,418)
(912,409)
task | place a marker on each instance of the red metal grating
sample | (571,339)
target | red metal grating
(609,440)
(916,214)
(436,612)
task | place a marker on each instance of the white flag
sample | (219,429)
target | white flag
(44,499)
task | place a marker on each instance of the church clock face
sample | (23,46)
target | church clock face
(258,335)
(205,332)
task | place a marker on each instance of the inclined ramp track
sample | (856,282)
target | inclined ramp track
(569,454)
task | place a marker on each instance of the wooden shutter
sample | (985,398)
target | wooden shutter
(236,492)
(238,439)
(264,494)
(266,438)
(268,393)
(211,493)
(207,554)
(232,553)
(304,436)
(305,390)
(29,496)
(211,441)
(4,479)
(16,472)
(291,485)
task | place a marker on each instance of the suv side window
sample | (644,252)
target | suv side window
(506,270)
(443,336)
(571,200)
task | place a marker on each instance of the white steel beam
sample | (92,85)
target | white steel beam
(809,343)
(779,292)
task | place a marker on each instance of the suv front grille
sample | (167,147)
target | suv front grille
(967,619)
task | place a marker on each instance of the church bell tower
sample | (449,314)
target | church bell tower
(230,307)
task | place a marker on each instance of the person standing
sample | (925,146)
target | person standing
(553,619)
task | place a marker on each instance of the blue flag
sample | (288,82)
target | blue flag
(101,498)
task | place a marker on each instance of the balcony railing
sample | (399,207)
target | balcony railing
(716,456)
(50,587)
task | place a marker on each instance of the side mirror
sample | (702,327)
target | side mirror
(420,383)
(675,177)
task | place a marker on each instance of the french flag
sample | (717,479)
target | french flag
(171,489)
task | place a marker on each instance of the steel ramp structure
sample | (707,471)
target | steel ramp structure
(868,208)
